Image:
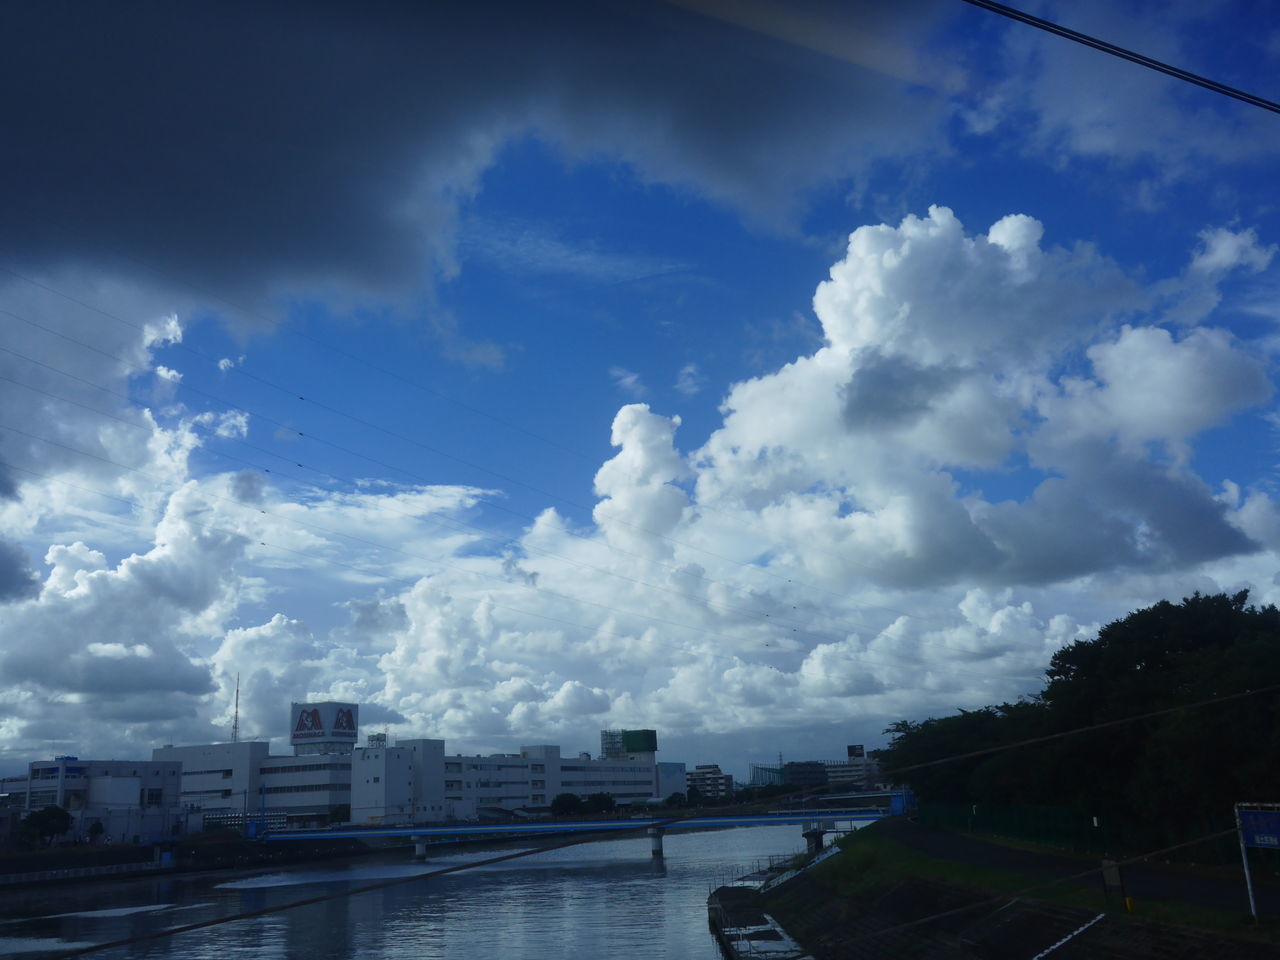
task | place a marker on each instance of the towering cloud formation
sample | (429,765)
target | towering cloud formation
(993,446)
(946,359)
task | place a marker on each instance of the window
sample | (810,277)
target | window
(377,779)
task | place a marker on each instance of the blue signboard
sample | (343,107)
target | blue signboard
(1260,828)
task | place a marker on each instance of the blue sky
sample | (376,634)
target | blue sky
(762,373)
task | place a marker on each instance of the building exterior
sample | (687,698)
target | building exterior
(764,776)
(639,745)
(133,800)
(455,786)
(856,772)
(231,784)
(710,782)
(403,783)
(804,773)
(672,778)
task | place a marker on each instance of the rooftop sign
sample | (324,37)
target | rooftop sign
(321,722)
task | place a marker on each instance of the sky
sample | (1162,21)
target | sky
(762,373)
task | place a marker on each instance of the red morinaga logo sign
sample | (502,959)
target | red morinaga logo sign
(344,724)
(308,725)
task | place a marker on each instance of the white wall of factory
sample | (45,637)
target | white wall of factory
(409,781)
(130,799)
(231,782)
(462,787)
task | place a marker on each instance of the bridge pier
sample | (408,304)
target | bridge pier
(655,842)
(419,848)
(813,836)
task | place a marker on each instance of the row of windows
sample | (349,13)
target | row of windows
(205,773)
(52,773)
(583,768)
(607,783)
(304,768)
(310,788)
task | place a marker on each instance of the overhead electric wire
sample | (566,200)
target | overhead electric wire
(763,619)
(921,921)
(595,542)
(458,525)
(897,662)
(381,546)
(1102,725)
(361,421)
(1133,57)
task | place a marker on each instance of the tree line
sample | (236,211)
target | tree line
(1178,771)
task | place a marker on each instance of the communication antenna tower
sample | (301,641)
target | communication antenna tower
(235,717)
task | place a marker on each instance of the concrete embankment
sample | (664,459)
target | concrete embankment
(83,864)
(883,899)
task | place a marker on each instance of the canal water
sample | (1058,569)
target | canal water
(595,901)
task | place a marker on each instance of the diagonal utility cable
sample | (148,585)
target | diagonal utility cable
(489,499)
(1116,51)
(402,438)
(900,660)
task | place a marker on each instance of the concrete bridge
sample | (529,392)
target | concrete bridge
(814,823)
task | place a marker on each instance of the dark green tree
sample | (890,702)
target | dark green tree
(677,799)
(600,803)
(46,824)
(1155,717)
(566,805)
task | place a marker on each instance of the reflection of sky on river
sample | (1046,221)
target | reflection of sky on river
(599,901)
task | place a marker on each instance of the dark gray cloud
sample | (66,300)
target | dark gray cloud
(248,145)
(372,714)
(17,579)
(248,486)
(887,392)
(1112,514)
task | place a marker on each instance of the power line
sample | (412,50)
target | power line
(898,661)
(1003,899)
(293,394)
(1125,54)
(1086,729)
(490,501)
(381,546)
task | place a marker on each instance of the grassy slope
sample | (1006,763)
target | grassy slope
(873,863)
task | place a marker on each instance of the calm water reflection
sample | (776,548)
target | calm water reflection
(599,901)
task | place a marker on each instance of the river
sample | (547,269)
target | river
(595,901)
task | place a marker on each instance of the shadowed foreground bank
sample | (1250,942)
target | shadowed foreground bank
(867,904)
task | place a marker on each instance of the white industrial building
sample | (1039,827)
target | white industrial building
(231,784)
(133,800)
(414,781)
(327,778)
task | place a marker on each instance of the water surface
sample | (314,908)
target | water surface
(600,901)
